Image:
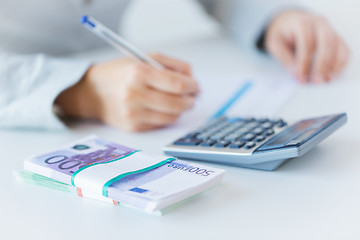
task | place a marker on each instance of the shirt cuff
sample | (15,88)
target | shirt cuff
(42,80)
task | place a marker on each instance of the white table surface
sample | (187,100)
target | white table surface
(316,196)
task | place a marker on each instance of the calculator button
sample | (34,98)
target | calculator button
(224,124)
(259,138)
(222,143)
(231,137)
(217,136)
(247,137)
(203,136)
(227,131)
(192,135)
(262,120)
(269,132)
(249,119)
(251,125)
(187,142)
(211,130)
(237,144)
(249,145)
(276,120)
(279,122)
(267,125)
(209,125)
(241,131)
(258,131)
(219,127)
(207,143)
(238,124)
(282,124)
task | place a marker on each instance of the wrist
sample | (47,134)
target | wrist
(79,100)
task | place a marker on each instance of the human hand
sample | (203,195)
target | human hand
(132,95)
(307,45)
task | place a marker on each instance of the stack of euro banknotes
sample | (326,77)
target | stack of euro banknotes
(96,168)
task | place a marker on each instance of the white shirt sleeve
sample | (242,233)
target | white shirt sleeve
(245,20)
(29,85)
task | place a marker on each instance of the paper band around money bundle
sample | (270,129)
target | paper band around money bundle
(98,177)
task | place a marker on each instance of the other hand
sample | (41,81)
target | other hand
(307,45)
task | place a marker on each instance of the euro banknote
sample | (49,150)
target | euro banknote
(104,169)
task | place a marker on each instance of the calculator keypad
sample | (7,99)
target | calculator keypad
(257,143)
(232,133)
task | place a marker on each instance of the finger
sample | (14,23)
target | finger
(167,103)
(304,46)
(172,82)
(283,51)
(173,64)
(325,54)
(334,56)
(342,58)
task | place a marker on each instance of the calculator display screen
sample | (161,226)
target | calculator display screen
(297,134)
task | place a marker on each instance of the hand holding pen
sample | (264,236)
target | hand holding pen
(137,93)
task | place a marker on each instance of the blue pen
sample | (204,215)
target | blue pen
(118,42)
(233,99)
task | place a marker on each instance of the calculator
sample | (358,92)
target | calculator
(257,143)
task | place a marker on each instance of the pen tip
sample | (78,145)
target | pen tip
(84,19)
(88,21)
